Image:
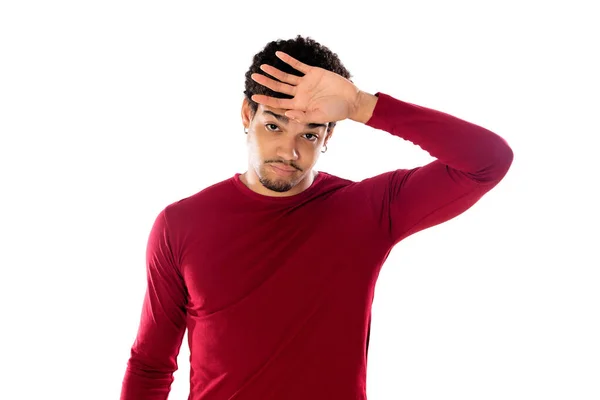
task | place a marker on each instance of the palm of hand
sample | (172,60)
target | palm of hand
(319,96)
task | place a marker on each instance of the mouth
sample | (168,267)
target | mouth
(284,171)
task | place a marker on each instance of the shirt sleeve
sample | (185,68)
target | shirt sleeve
(469,162)
(153,359)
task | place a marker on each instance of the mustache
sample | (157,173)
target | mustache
(284,163)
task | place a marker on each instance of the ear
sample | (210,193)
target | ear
(329,135)
(246,113)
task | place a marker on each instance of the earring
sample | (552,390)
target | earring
(325,149)
(246,130)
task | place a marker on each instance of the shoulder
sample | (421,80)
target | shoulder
(202,200)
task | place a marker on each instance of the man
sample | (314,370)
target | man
(273,271)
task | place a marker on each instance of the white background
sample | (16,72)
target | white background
(111,110)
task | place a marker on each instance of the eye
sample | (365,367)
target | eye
(268,125)
(314,137)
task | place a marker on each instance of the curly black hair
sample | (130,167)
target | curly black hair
(306,50)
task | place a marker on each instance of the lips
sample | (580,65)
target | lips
(284,169)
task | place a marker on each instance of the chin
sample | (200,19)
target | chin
(276,183)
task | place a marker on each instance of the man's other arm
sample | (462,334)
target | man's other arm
(153,359)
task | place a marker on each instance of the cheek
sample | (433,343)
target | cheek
(254,147)
(308,152)
(312,151)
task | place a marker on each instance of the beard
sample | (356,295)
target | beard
(277,184)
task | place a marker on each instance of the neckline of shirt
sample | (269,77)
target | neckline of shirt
(278,199)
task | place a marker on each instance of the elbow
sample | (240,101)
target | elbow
(504,159)
(499,162)
(500,165)
(151,367)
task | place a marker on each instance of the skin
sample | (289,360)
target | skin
(291,141)
(272,142)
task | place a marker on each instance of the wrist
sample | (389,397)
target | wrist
(364,106)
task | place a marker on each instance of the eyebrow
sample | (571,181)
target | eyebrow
(285,120)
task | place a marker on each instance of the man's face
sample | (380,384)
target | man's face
(281,151)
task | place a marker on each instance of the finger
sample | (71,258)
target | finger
(273,101)
(304,68)
(282,76)
(317,117)
(274,85)
(297,115)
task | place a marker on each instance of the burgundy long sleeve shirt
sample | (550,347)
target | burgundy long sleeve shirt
(276,292)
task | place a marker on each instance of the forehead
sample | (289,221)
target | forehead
(262,108)
(280,116)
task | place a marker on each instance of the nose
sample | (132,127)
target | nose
(287,150)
